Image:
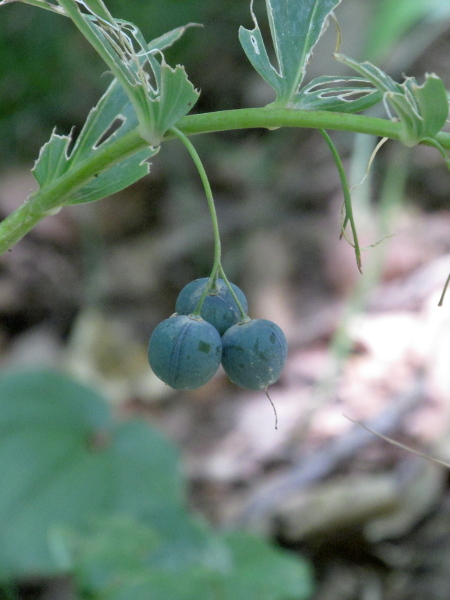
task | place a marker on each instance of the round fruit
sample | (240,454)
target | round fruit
(219,307)
(254,353)
(185,352)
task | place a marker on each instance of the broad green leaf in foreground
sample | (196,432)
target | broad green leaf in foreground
(295,27)
(118,560)
(111,555)
(63,463)
(263,571)
(421,109)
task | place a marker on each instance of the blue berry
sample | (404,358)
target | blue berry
(254,353)
(185,351)
(219,307)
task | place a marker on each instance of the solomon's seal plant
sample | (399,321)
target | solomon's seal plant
(148,101)
(184,353)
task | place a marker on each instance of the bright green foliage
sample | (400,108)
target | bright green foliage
(219,307)
(63,462)
(295,28)
(254,353)
(104,502)
(422,109)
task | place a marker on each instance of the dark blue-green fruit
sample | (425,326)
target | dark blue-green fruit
(254,353)
(219,307)
(185,352)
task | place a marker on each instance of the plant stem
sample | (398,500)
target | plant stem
(41,202)
(347,197)
(243,317)
(212,212)
(217,265)
(270,118)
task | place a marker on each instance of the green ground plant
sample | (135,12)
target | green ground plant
(104,501)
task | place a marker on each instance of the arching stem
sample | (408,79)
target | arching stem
(212,212)
(217,265)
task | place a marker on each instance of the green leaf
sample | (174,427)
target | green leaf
(114,179)
(421,109)
(431,102)
(114,107)
(175,99)
(157,105)
(112,118)
(53,159)
(295,29)
(187,542)
(64,463)
(264,572)
(319,95)
(47,398)
(259,572)
(192,584)
(98,9)
(107,550)
(113,555)
(39,4)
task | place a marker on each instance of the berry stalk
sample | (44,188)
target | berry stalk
(217,265)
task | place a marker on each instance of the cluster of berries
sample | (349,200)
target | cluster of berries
(209,328)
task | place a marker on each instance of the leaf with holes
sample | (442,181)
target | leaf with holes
(159,94)
(328,93)
(421,109)
(295,29)
(113,117)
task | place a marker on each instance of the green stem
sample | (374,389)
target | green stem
(270,118)
(212,212)
(243,315)
(14,227)
(42,202)
(347,197)
(217,265)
